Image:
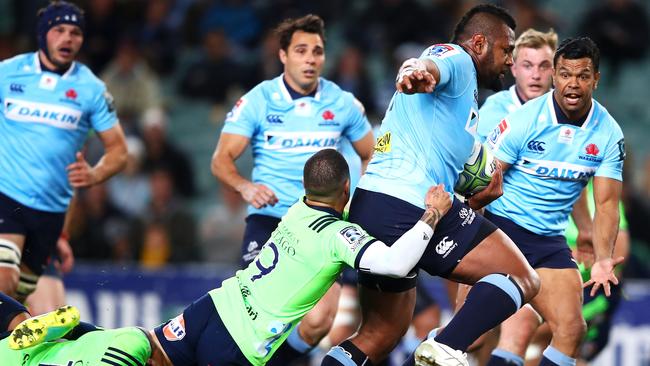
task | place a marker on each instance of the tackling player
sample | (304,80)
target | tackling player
(49,103)
(424,140)
(286,120)
(549,149)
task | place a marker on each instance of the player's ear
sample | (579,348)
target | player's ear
(282,54)
(479,44)
(596,79)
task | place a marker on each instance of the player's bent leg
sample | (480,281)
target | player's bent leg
(560,304)
(311,329)
(516,333)
(11,246)
(347,317)
(385,318)
(43,328)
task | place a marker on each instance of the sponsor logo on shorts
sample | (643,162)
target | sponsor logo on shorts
(467,215)
(175,329)
(445,246)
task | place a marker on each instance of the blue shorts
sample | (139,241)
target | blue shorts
(541,251)
(387,218)
(258,231)
(40,228)
(199,337)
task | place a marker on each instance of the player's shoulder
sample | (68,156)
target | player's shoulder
(444,50)
(500,97)
(603,117)
(131,343)
(532,110)
(85,75)
(23,62)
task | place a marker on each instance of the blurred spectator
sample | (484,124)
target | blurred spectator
(134,86)
(156,246)
(351,75)
(129,191)
(103,26)
(236,18)
(268,64)
(215,72)
(161,152)
(159,42)
(222,227)
(620,29)
(529,14)
(168,220)
(100,230)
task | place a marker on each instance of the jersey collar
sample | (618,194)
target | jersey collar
(287,95)
(328,210)
(39,70)
(515,98)
(562,118)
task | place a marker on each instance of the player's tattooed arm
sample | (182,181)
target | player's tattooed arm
(437,202)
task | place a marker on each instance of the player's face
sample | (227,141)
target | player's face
(63,44)
(533,71)
(303,61)
(575,81)
(498,59)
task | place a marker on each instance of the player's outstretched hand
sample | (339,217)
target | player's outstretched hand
(413,77)
(80,173)
(257,195)
(438,201)
(602,273)
(493,191)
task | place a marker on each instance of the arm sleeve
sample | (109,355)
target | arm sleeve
(400,258)
(102,114)
(244,118)
(612,165)
(490,114)
(445,56)
(357,124)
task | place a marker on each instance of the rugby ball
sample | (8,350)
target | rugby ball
(477,171)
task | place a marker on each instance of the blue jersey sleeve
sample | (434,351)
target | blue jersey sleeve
(358,125)
(612,165)
(443,55)
(102,115)
(490,114)
(506,139)
(245,117)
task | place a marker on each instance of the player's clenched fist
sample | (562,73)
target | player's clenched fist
(257,195)
(413,77)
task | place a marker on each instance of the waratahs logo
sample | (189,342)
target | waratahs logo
(592,149)
(591,152)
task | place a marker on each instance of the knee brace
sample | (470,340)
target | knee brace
(26,284)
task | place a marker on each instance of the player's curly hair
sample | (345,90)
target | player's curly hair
(575,48)
(325,174)
(469,25)
(309,23)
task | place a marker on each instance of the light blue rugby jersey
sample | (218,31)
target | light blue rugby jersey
(44,120)
(285,133)
(496,106)
(425,139)
(552,162)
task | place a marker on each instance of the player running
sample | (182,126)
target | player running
(50,102)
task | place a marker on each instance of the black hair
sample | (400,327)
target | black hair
(325,173)
(575,48)
(309,23)
(470,23)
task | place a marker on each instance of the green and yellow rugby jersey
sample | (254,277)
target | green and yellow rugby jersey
(114,347)
(262,303)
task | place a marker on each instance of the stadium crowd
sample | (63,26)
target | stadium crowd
(156,55)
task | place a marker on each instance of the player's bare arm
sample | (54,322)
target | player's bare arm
(607,193)
(364,148)
(582,217)
(81,174)
(417,76)
(229,149)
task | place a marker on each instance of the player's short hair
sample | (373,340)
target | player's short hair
(325,173)
(472,22)
(309,23)
(535,39)
(575,48)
